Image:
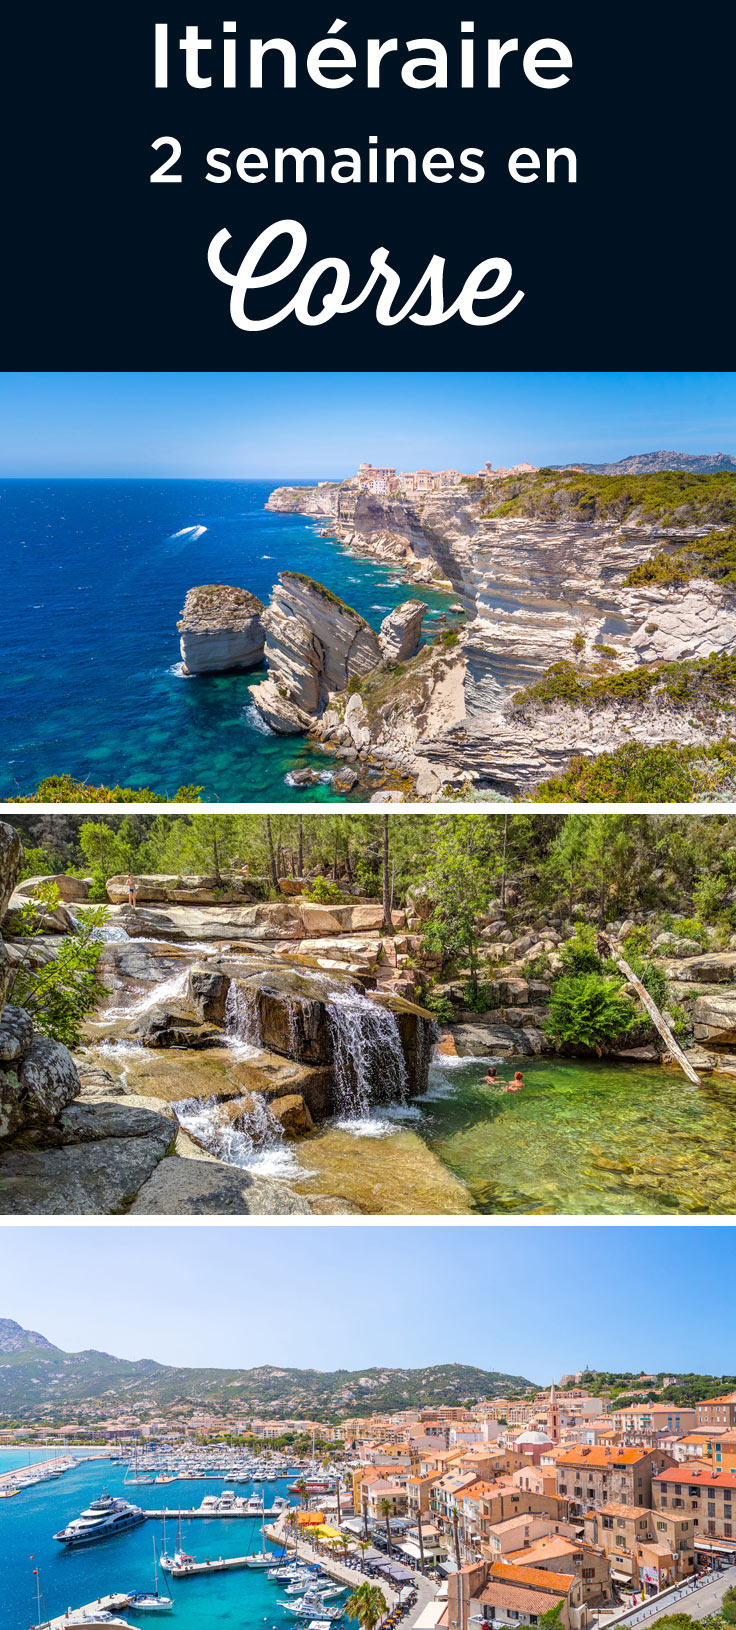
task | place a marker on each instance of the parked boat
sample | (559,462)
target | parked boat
(151,1601)
(102,1519)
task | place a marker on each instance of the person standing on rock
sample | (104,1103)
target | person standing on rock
(132,891)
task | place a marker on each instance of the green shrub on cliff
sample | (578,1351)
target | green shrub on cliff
(710,679)
(712,557)
(588,1009)
(667,774)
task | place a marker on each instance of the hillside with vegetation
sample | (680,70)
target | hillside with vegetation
(667,498)
(40,1383)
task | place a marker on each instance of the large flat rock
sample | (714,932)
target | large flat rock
(710,968)
(714,1018)
(107,1153)
(194,1188)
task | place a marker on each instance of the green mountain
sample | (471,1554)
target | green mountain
(40,1382)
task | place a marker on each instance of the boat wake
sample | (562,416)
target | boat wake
(191,532)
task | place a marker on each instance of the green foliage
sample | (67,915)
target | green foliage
(652,978)
(728,1605)
(37,862)
(678,1621)
(367,1604)
(448,637)
(479,997)
(438,1003)
(682,1024)
(59,994)
(708,896)
(578,642)
(354,685)
(636,941)
(539,967)
(580,954)
(324,892)
(590,1009)
(106,852)
(671,497)
(608,651)
(710,680)
(460,873)
(711,557)
(552,1619)
(644,775)
(64,789)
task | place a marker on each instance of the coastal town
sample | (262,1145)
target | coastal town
(570,1505)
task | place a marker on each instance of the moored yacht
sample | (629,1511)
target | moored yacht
(102,1519)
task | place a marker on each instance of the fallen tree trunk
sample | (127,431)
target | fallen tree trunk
(648,1002)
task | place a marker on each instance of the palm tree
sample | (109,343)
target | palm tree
(367,1604)
(384,1507)
(302,1491)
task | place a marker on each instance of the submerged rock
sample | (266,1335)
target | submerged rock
(220,628)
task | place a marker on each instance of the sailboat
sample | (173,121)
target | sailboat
(264,1558)
(150,1601)
(180,1556)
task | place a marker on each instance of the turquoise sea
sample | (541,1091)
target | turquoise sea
(94,576)
(243,1600)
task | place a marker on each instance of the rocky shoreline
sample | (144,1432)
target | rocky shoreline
(535,593)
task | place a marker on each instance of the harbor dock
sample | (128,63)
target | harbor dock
(215,1564)
(196,1511)
(116,1603)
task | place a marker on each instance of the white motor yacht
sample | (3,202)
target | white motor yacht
(102,1519)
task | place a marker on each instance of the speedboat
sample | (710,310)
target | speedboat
(254,1507)
(149,1601)
(311,1605)
(102,1518)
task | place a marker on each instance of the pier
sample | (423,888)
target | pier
(25,1476)
(116,1603)
(196,1511)
(216,1564)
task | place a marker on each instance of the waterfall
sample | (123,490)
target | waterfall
(368,1059)
(166,991)
(428,1034)
(256,1143)
(242,1020)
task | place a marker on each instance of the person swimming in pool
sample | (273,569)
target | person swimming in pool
(515,1085)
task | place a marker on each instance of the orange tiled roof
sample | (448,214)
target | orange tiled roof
(697,1474)
(543,1577)
(518,1598)
(601,1457)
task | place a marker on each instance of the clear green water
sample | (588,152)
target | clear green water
(582,1137)
(585,1137)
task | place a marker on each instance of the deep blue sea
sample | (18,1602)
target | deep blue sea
(243,1600)
(94,577)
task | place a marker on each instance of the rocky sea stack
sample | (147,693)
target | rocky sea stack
(220,628)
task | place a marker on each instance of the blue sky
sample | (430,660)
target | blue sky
(270,425)
(533,1301)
